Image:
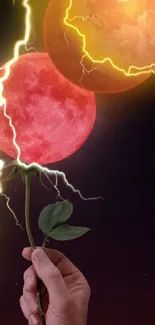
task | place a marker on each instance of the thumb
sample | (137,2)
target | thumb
(51,277)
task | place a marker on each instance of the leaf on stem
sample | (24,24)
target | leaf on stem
(54,215)
(67,232)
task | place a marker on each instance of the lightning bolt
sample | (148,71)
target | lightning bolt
(132,71)
(9,208)
(3,103)
(6,197)
(1,168)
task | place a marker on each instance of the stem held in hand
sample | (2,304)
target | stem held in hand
(31,241)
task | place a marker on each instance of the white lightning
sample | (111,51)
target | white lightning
(12,212)
(3,103)
(6,197)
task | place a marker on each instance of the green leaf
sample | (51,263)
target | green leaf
(67,232)
(54,215)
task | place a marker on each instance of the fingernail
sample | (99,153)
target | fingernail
(38,254)
(25,249)
(34,319)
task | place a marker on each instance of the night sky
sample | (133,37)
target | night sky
(117,162)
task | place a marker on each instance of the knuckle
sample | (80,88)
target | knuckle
(25,275)
(28,273)
(33,320)
(23,307)
(34,309)
(54,274)
(29,285)
(30,320)
(87,288)
(85,284)
(31,303)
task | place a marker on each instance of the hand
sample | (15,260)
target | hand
(65,292)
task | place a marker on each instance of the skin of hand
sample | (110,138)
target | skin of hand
(65,290)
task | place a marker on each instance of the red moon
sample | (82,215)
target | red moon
(51,116)
(120,30)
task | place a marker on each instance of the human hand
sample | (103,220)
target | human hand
(65,291)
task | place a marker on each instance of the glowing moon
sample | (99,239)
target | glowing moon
(79,36)
(51,116)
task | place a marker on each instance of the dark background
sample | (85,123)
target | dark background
(117,161)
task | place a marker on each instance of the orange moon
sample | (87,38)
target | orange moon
(121,30)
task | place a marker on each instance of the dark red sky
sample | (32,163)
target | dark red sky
(117,162)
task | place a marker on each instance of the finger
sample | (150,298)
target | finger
(24,307)
(30,296)
(30,288)
(64,265)
(30,273)
(32,282)
(33,319)
(27,252)
(51,277)
(66,268)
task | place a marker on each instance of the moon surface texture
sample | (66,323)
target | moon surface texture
(102,45)
(51,116)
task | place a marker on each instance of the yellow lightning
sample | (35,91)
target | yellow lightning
(3,103)
(1,168)
(129,72)
(7,68)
